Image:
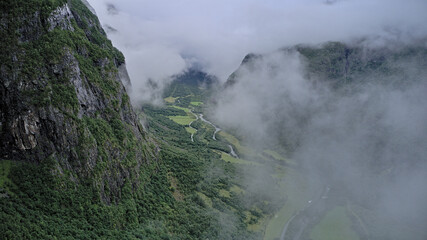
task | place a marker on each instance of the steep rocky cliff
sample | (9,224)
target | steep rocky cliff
(63,96)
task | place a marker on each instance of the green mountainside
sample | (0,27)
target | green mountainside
(75,161)
(78,162)
(342,64)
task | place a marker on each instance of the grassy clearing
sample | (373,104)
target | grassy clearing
(294,187)
(224,193)
(174,185)
(205,199)
(170,99)
(187,110)
(226,157)
(191,130)
(334,226)
(236,189)
(196,103)
(182,120)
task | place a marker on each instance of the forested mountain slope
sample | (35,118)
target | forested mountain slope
(75,160)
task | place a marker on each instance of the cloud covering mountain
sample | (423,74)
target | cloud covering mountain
(162,38)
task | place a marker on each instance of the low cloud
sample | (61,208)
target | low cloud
(162,38)
(368,139)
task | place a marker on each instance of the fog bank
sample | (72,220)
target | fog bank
(367,138)
(162,38)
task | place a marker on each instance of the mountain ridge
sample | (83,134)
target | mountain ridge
(340,62)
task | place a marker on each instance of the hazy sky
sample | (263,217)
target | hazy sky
(162,37)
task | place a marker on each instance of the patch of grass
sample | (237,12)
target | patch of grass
(170,99)
(182,120)
(196,103)
(191,130)
(187,110)
(228,158)
(236,189)
(174,188)
(334,226)
(224,193)
(205,199)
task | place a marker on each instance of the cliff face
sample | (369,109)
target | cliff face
(63,96)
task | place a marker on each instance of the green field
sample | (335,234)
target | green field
(226,157)
(224,193)
(191,130)
(196,103)
(170,99)
(182,120)
(334,226)
(187,110)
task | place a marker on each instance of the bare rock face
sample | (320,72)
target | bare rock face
(24,129)
(61,18)
(63,97)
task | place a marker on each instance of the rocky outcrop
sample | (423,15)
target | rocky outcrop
(63,96)
(61,18)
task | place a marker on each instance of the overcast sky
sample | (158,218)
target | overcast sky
(163,37)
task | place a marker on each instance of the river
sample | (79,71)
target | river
(189,125)
(302,218)
(217,129)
